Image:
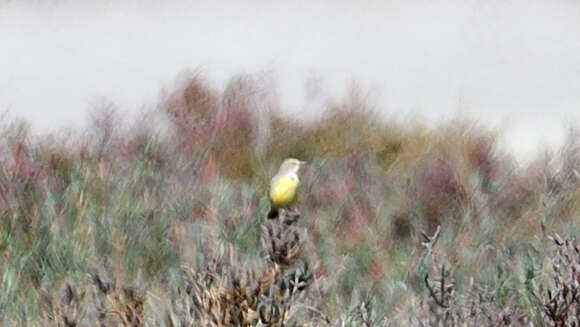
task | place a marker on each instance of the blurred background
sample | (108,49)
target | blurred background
(512,65)
(140,138)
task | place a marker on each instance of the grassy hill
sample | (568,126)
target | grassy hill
(124,225)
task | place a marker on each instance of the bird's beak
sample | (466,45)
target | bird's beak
(303,163)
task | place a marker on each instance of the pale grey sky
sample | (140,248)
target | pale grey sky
(514,64)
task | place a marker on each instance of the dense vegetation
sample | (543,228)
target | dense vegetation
(399,225)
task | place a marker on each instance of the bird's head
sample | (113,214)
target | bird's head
(291,165)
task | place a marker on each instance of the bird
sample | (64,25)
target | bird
(284,186)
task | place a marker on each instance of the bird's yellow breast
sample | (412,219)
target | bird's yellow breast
(283,190)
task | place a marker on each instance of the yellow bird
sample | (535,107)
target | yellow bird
(284,186)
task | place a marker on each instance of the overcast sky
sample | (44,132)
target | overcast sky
(514,64)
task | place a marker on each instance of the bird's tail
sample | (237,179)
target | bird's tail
(273,213)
